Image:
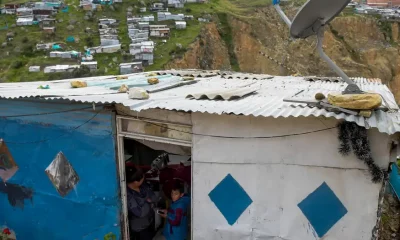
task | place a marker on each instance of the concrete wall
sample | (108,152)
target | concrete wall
(30,205)
(296,187)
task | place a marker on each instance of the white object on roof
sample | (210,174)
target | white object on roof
(268,102)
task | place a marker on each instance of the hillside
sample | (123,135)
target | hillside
(238,31)
(19,53)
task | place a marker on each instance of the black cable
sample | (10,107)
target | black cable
(227,137)
(49,113)
(46,140)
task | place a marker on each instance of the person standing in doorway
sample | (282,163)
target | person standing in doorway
(140,205)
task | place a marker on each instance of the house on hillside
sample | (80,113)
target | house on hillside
(146,46)
(143,25)
(60,68)
(105,49)
(128,68)
(108,41)
(21,12)
(24,21)
(220,133)
(156,7)
(164,16)
(11,8)
(34,69)
(180,25)
(160,31)
(107,21)
(47,23)
(383,3)
(91,65)
(176,3)
(67,54)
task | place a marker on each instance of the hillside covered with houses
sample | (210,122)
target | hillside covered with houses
(56,39)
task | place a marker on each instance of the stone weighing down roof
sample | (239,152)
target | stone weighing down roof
(249,94)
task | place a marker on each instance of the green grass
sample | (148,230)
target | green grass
(226,34)
(18,48)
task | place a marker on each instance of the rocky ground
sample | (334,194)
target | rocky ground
(390,221)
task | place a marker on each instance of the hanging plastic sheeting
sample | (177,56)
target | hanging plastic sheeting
(70,39)
(395,179)
(65,9)
(296,187)
(74,54)
(56,47)
(53,4)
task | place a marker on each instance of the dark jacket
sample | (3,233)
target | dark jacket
(177,222)
(141,214)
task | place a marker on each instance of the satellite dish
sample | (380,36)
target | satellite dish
(313,15)
(310,20)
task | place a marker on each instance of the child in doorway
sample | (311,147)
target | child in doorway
(176,216)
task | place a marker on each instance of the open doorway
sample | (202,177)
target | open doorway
(163,166)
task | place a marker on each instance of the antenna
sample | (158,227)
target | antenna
(310,20)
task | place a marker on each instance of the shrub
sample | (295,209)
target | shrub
(17,64)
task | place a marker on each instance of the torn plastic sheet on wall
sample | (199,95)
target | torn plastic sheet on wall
(8,167)
(62,174)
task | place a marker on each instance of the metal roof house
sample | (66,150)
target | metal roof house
(240,131)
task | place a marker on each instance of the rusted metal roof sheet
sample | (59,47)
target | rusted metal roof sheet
(267,102)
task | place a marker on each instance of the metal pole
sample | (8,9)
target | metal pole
(352,88)
(282,15)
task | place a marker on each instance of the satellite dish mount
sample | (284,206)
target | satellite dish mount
(310,20)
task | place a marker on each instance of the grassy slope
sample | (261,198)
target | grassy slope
(29,36)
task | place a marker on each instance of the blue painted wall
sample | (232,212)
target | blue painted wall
(88,212)
(394,179)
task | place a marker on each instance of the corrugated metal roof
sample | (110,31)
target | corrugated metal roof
(267,102)
(224,94)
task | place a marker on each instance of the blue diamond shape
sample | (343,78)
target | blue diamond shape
(323,209)
(230,199)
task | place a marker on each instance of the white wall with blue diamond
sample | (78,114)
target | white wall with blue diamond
(267,189)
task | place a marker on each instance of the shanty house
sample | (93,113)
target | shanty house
(91,65)
(143,25)
(24,21)
(161,31)
(55,164)
(49,29)
(157,7)
(128,68)
(106,49)
(180,25)
(60,68)
(68,54)
(107,21)
(34,68)
(142,47)
(10,8)
(24,12)
(47,22)
(231,131)
(164,16)
(176,3)
(139,40)
(108,41)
